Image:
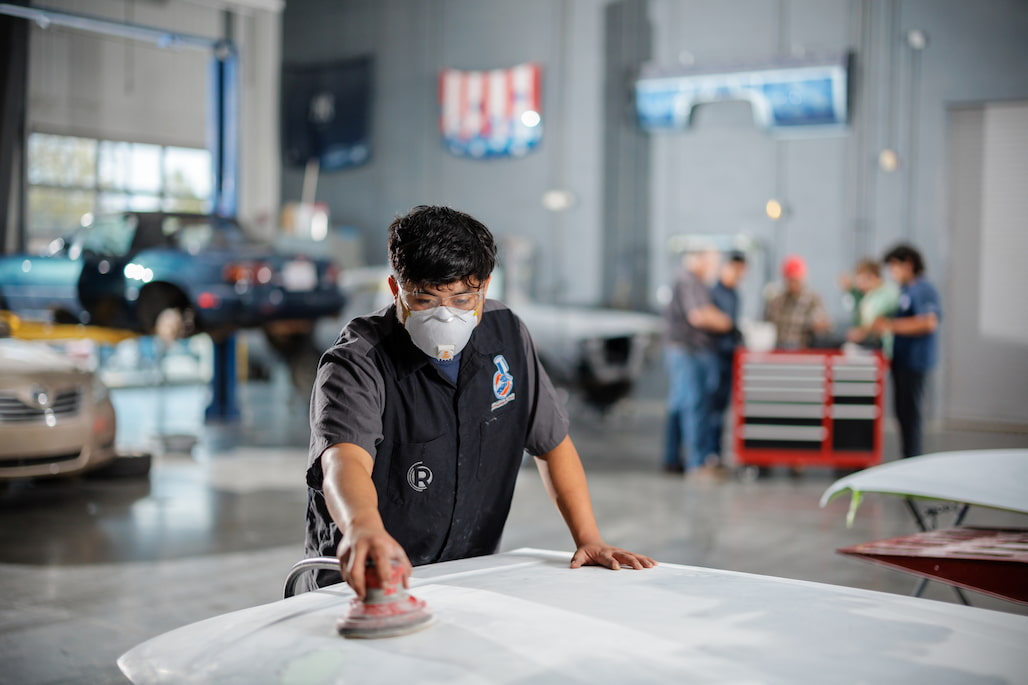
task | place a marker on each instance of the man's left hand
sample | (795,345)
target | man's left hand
(600,554)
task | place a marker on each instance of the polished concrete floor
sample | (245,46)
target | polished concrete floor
(90,567)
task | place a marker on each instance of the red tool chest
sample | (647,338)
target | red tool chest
(808,408)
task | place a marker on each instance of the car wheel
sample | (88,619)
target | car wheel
(164,311)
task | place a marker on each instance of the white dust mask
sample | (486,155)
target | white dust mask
(441,332)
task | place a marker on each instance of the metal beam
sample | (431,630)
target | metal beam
(45,18)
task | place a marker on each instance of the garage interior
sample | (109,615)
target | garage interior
(91,566)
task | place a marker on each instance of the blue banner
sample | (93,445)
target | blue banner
(784,97)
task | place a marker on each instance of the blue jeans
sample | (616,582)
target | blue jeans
(719,402)
(692,380)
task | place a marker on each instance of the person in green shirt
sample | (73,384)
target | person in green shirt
(879,298)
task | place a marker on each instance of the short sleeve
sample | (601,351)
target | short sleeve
(817,308)
(548,423)
(694,295)
(346,406)
(925,300)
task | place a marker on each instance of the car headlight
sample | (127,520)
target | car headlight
(99,390)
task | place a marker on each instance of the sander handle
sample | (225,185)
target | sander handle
(304,565)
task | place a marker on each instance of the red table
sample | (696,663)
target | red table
(988,560)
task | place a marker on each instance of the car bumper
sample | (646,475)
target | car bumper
(258,307)
(72,445)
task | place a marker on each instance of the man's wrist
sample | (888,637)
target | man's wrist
(366,519)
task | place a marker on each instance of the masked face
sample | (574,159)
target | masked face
(440,321)
(441,332)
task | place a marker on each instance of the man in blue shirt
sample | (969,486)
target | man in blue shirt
(915,348)
(725,297)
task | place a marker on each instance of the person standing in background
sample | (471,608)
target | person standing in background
(692,320)
(796,311)
(877,298)
(725,297)
(915,353)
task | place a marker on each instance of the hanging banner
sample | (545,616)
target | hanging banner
(793,95)
(326,113)
(488,114)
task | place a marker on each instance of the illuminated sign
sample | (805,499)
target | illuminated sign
(789,96)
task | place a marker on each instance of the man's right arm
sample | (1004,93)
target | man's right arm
(353,503)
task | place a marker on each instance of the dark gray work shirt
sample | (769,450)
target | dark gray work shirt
(445,455)
(727,300)
(688,293)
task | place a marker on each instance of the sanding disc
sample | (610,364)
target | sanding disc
(387,619)
(387,609)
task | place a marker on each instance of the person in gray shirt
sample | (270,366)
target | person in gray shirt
(692,321)
(421,414)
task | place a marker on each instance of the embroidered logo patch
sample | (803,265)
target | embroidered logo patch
(419,476)
(503,382)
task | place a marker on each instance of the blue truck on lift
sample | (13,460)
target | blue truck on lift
(130,269)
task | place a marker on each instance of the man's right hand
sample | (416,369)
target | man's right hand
(353,503)
(369,541)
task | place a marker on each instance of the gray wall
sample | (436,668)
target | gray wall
(986,328)
(713,178)
(411,42)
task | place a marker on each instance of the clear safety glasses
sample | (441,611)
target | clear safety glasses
(417,301)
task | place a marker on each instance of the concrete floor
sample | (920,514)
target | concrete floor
(91,567)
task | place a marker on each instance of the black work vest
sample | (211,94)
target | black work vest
(448,459)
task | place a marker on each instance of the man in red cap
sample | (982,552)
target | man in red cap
(796,311)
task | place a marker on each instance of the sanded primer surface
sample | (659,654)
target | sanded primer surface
(524,616)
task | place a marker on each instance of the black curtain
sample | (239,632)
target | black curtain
(14,45)
(326,113)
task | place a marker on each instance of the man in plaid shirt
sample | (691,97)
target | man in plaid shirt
(797,312)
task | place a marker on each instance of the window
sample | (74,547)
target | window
(69,177)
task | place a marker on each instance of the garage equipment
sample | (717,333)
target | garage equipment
(808,408)
(993,561)
(387,609)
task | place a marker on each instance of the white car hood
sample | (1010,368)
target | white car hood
(23,357)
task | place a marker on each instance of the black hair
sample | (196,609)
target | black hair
(433,246)
(905,253)
(737,256)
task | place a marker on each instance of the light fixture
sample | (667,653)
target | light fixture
(917,39)
(774,209)
(888,160)
(531,118)
(558,200)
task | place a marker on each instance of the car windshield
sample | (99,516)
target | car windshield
(197,235)
(109,235)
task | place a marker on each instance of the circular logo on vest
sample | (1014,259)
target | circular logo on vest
(419,476)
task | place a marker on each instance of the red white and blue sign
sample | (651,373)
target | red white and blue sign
(489,114)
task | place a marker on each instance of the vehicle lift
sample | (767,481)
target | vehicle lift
(223,142)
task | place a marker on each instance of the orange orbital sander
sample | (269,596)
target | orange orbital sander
(387,610)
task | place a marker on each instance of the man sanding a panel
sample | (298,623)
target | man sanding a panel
(422,411)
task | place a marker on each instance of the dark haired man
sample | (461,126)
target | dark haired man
(422,411)
(915,345)
(725,297)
